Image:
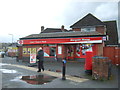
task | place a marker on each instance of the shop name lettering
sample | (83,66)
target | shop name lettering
(38,42)
(77,40)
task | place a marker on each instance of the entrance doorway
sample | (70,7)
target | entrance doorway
(52,51)
(70,50)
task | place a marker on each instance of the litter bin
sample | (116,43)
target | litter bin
(2,55)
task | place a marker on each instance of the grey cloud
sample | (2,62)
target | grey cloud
(74,11)
(107,11)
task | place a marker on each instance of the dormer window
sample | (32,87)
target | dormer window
(87,29)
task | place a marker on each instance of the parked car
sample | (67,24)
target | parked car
(2,54)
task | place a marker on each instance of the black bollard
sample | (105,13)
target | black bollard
(64,70)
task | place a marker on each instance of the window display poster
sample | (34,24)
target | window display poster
(78,50)
(46,51)
(24,50)
(33,50)
(59,49)
(86,47)
(32,58)
(29,50)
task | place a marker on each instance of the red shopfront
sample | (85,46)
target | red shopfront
(69,48)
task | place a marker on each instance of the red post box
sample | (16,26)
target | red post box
(88,62)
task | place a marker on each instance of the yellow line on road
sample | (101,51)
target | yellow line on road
(75,79)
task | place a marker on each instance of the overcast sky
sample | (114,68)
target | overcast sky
(25,17)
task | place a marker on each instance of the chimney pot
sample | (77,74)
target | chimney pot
(42,28)
(62,28)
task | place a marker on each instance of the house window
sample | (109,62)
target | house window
(88,29)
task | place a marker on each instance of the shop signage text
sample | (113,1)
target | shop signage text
(62,40)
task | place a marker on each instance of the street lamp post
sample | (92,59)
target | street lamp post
(12,43)
(12,37)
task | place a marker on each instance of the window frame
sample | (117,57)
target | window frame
(85,29)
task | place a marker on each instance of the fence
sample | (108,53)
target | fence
(113,52)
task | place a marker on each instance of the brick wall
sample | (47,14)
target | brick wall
(100,29)
(113,52)
(100,49)
(76,29)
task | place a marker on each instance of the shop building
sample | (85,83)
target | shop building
(87,34)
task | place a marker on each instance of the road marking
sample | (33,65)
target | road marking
(8,71)
(75,79)
(1,64)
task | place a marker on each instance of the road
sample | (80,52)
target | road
(11,78)
(21,76)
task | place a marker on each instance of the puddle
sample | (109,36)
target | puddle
(8,71)
(38,79)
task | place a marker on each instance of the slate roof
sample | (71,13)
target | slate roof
(88,20)
(112,32)
(52,30)
(62,34)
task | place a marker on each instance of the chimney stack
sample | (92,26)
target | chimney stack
(62,28)
(42,28)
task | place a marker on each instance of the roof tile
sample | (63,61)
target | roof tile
(61,34)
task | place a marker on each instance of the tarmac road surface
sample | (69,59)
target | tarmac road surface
(19,75)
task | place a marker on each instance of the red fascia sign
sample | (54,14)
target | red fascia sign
(62,40)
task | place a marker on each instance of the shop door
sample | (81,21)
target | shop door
(70,52)
(52,51)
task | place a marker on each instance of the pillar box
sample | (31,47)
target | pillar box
(88,62)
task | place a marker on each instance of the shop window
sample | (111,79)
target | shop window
(70,51)
(33,50)
(53,51)
(86,47)
(29,50)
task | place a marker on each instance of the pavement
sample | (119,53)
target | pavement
(74,72)
(72,68)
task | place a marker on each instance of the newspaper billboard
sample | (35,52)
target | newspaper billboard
(32,58)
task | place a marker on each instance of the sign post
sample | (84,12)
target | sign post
(32,58)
